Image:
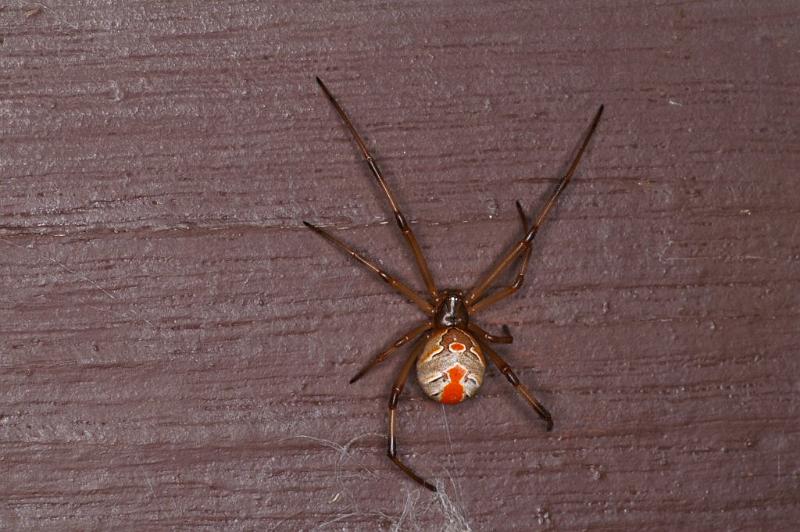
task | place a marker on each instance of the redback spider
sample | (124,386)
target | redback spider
(450,350)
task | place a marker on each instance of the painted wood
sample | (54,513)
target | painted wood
(175,346)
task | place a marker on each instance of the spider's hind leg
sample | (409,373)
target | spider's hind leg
(394,399)
(506,370)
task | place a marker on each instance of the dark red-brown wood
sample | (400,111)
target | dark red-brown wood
(175,346)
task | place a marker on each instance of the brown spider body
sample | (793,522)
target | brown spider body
(451,366)
(450,351)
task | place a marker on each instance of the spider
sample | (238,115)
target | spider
(449,350)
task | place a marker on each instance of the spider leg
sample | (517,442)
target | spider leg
(394,283)
(410,335)
(506,370)
(478,290)
(506,338)
(513,287)
(397,388)
(401,220)
(522,217)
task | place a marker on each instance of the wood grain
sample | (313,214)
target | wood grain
(175,346)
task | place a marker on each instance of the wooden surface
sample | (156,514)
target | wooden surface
(175,347)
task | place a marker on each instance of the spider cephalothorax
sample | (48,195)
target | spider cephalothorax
(450,350)
(451,311)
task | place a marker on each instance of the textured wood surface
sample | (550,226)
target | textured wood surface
(175,346)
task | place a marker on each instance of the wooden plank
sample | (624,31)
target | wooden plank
(175,346)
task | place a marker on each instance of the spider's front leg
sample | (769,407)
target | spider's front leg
(506,291)
(523,246)
(397,285)
(408,234)
(397,388)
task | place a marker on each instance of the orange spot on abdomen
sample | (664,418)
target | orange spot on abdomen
(453,392)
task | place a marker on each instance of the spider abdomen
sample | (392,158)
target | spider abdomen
(451,366)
